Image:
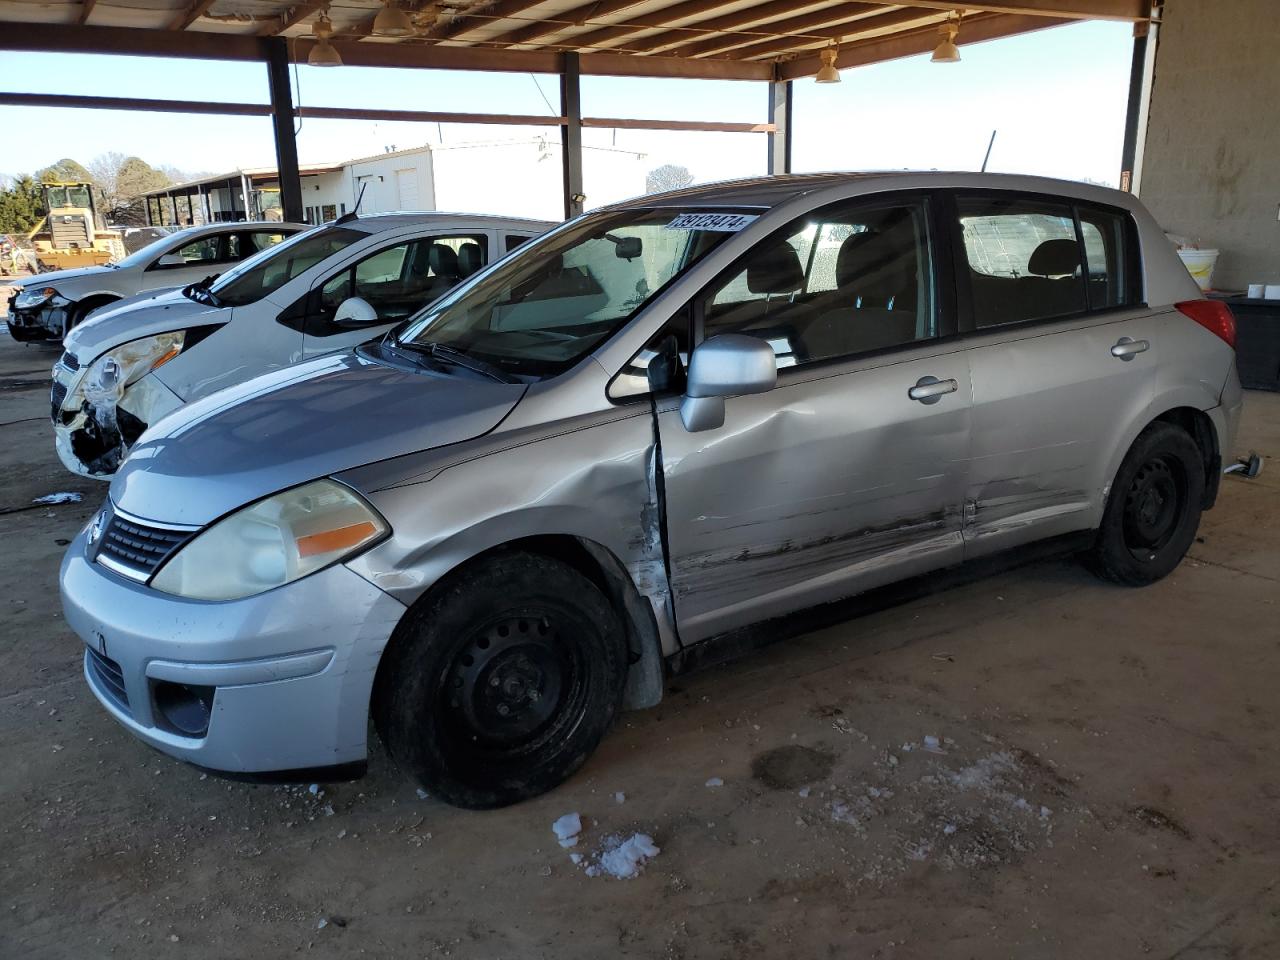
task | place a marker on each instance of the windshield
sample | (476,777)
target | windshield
(270,269)
(152,250)
(552,302)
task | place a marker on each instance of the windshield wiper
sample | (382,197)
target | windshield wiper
(440,351)
(200,292)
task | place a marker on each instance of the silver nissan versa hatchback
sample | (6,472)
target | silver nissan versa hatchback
(650,428)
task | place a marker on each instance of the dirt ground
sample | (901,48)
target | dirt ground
(1034,765)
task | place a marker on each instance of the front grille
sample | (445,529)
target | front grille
(69,362)
(110,676)
(56,396)
(136,549)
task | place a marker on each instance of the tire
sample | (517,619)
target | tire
(1153,510)
(78,316)
(501,685)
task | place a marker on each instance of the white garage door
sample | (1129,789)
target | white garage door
(407,188)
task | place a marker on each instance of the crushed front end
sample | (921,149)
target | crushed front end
(100,409)
(37,313)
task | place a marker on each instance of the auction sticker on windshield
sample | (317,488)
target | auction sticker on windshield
(722,222)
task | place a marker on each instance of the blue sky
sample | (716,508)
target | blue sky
(1057,98)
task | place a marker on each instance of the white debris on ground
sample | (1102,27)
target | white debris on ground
(61,497)
(423,795)
(623,859)
(715,782)
(937,801)
(567,829)
(619,797)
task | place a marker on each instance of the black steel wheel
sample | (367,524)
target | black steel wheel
(499,685)
(1153,509)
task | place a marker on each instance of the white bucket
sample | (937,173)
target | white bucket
(1199,264)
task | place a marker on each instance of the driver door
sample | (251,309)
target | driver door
(845,476)
(397,281)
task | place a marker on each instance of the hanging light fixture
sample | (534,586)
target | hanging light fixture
(322,53)
(946,51)
(391,21)
(827,73)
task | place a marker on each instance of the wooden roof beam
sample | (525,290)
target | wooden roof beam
(292,17)
(689,9)
(475,17)
(821,25)
(731,22)
(1130,10)
(86,8)
(190,15)
(578,16)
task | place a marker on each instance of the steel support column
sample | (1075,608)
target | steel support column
(283,126)
(1141,72)
(571,135)
(780,117)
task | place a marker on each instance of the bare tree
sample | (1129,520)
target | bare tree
(667,177)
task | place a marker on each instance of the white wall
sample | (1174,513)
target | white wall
(384,176)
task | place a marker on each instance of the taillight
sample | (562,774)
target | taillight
(1214,315)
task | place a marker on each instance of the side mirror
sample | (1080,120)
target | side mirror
(729,365)
(171,260)
(355,312)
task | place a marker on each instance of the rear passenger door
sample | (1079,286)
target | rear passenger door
(850,473)
(1062,352)
(396,281)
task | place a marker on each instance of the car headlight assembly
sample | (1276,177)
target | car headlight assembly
(110,374)
(272,542)
(31,297)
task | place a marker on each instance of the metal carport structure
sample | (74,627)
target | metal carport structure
(773,42)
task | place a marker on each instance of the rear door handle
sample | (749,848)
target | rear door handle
(1127,349)
(931,389)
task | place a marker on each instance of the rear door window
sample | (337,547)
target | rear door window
(1024,260)
(1109,255)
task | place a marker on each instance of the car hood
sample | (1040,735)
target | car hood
(140,316)
(294,425)
(54,277)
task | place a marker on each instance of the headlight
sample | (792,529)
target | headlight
(109,375)
(34,297)
(272,542)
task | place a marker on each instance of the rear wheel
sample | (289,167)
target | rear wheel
(501,686)
(1153,509)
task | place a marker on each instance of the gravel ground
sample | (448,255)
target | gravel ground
(1032,765)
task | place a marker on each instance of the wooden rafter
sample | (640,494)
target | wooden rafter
(190,15)
(465,22)
(1132,10)
(656,20)
(86,8)
(735,22)
(292,17)
(845,32)
(597,10)
(809,25)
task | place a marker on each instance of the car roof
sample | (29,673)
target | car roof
(231,225)
(408,218)
(773,191)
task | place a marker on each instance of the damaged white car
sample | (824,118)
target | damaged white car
(50,305)
(318,292)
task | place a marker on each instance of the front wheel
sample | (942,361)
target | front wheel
(1153,509)
(499,687)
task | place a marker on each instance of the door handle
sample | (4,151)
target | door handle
(1127,349)
(931,389)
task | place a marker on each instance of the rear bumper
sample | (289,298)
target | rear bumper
(290,672)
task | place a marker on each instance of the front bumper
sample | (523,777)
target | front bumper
(41,323)
(291,669)
(92,440)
